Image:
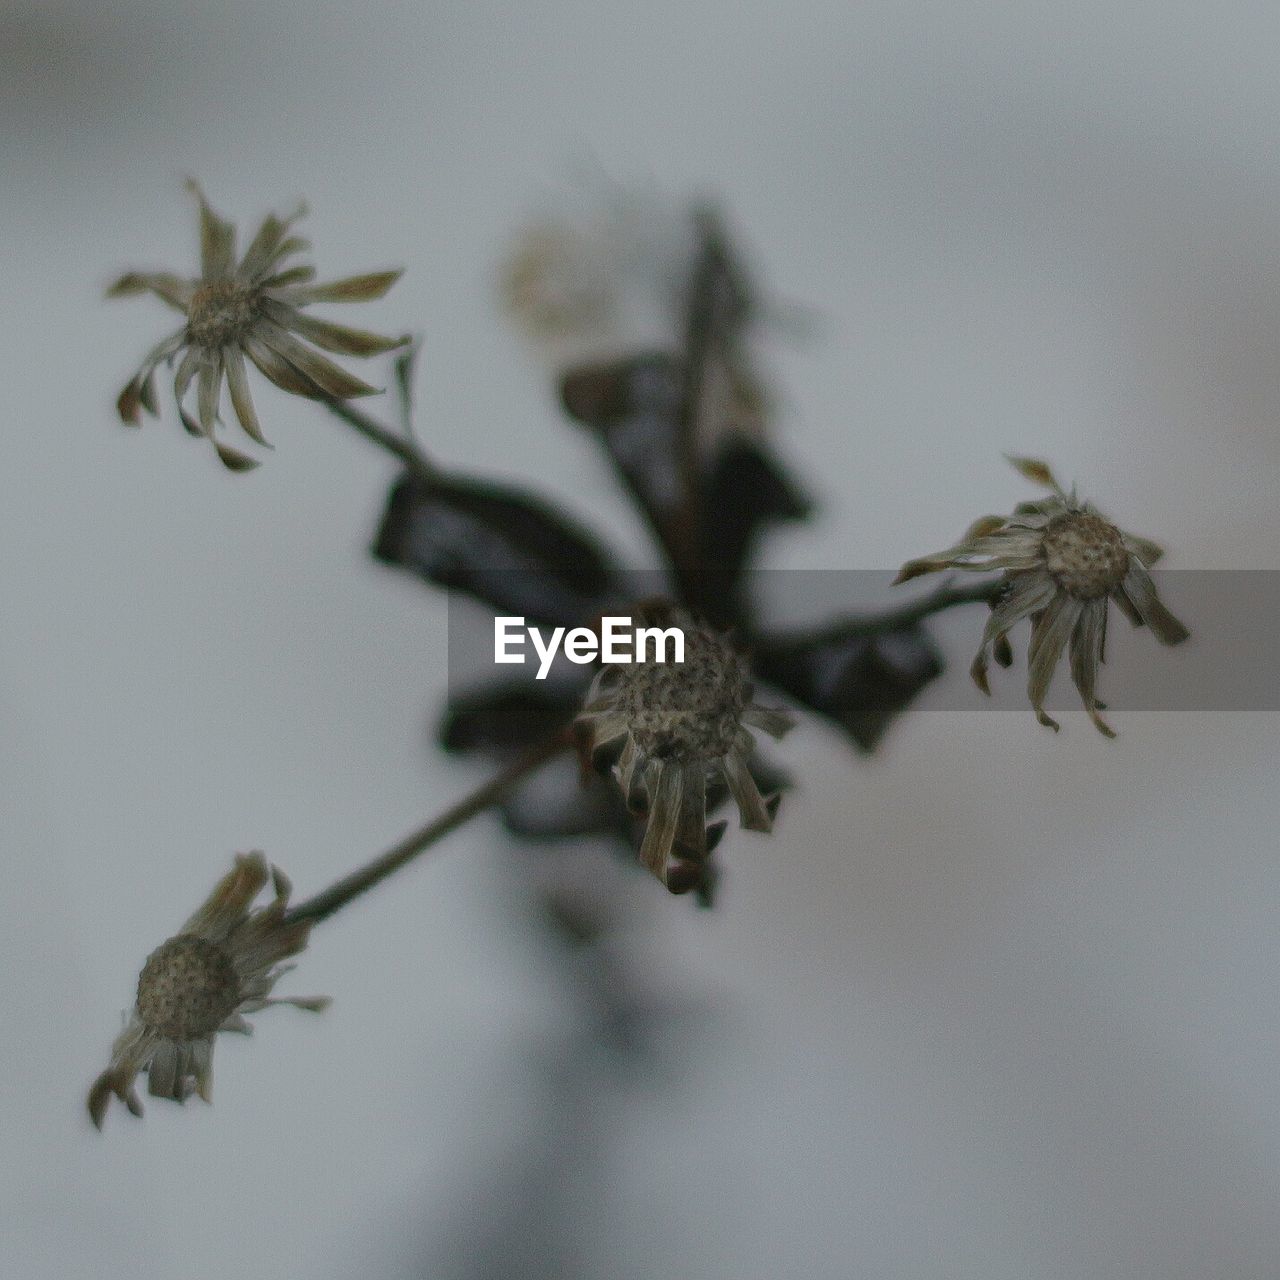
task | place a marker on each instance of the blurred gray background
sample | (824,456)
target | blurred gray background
(996,1004)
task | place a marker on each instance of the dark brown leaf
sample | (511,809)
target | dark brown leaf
(501,545)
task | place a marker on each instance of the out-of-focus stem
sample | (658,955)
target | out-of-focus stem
(397,445)
(360,881)
(947,596)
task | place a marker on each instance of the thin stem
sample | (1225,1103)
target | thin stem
(397,445)
(360,881)
(947,596)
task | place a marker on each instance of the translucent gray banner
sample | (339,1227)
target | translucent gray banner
(1230,663)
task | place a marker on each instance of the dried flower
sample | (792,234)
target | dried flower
(1062,562)
(252,309)
(557,283)
(221,965)
(599,279)
(681,724)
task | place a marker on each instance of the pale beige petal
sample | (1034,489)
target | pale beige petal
(281,885)
(202,1067)
(287,248)
(351,289)
(1141,593)
(1125,607)
(265,250)
(279,370)
(295,275)
(311,1004)
(624,771)
(114,1082)
(331,380)
(129,1054)
(1035,470)
(691,829)
(187,367)
(771,720)
(208,387)
(163,1079)
(231,897)
(1048,638)
(1008,548)
(231,458)
(100,1094)
(603,727)
(752,810)
(263,941)
(664,815)
(1146,550)
(1029,593)
(983,526)
(241,398)
(139,393)
(217,240)
(174,290)
(331,337)
(1086,654)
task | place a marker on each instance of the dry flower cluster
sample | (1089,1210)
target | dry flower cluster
(647,322)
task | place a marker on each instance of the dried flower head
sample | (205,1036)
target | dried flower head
(1061,562)
(220,966)
(557,283)
(603,276)
(681,725)
(254,309)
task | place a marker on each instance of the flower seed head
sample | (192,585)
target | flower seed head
(222,964)
(1062,565)
(188,988)
(679,727)
(221,313)
(245,311)
(1085,555)
(686,711)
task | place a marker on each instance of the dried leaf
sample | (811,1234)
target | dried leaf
(858,680)
(508,717)
(746,491)
(635,407)
(501,545)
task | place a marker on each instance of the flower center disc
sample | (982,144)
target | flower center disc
(686,711)
(1085,555)
(220,313)
(188,988)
